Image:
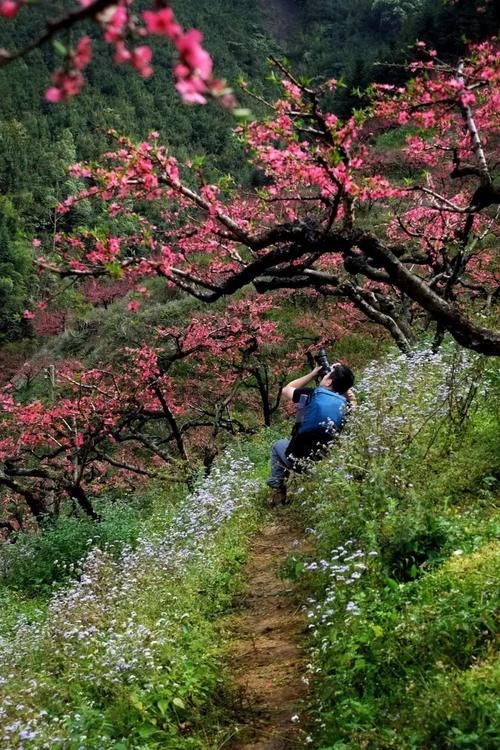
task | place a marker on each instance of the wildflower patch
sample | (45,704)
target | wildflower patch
(127,655)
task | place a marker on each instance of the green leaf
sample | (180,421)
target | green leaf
(243,113)
(59,48)
(377,631)
(146,730)
(334,158)
(136,702)
(391,583)
(162,705)
(179,703)
(114,269)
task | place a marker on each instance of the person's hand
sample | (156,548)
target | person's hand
(351,397)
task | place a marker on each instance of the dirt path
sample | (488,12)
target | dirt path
(266,657)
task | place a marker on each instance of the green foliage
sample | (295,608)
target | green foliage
(15,272)
(395,677)
(362,41)
(130,656)
(405,588)
(17,610)
(37,562)
(358,348)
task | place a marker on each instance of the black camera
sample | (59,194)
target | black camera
(321,360)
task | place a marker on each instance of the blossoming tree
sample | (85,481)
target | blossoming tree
(405,243)
(130,419)
(414,243)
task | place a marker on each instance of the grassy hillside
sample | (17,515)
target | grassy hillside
(401,586)
(403,590)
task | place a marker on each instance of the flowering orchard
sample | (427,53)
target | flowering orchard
(125,28)
(406,245)
(401,246)
(113,425)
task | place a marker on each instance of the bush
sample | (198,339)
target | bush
(35,562)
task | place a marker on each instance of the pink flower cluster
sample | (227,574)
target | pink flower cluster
(192,71)
(194,68)
(68,83)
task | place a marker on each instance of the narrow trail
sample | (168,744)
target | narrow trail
(267,657)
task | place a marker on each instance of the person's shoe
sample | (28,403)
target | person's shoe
(278,496)
(285,500)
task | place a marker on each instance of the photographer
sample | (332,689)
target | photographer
(320,416)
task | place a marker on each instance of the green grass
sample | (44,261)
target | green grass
(36,563)
(129,655)
(404,580)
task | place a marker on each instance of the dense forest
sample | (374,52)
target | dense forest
(177,244)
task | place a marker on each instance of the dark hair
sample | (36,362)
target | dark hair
(342,378)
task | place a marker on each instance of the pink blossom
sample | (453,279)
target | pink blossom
(122,54)
(331,121)
(83,53)
(116,24)
(162,22)
(53,95)
(9,8)
(69,83)
(191,90)
(193,54)
(141,58)
(467,98)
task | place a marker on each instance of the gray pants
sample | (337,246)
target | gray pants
(280,464)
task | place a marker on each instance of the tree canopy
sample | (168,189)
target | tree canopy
(397,239)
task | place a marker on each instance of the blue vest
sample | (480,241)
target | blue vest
(323,409)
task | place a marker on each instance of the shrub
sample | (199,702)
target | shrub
(38,561)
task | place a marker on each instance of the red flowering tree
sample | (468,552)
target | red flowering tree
(404,247)
(102,292)
(109,424)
